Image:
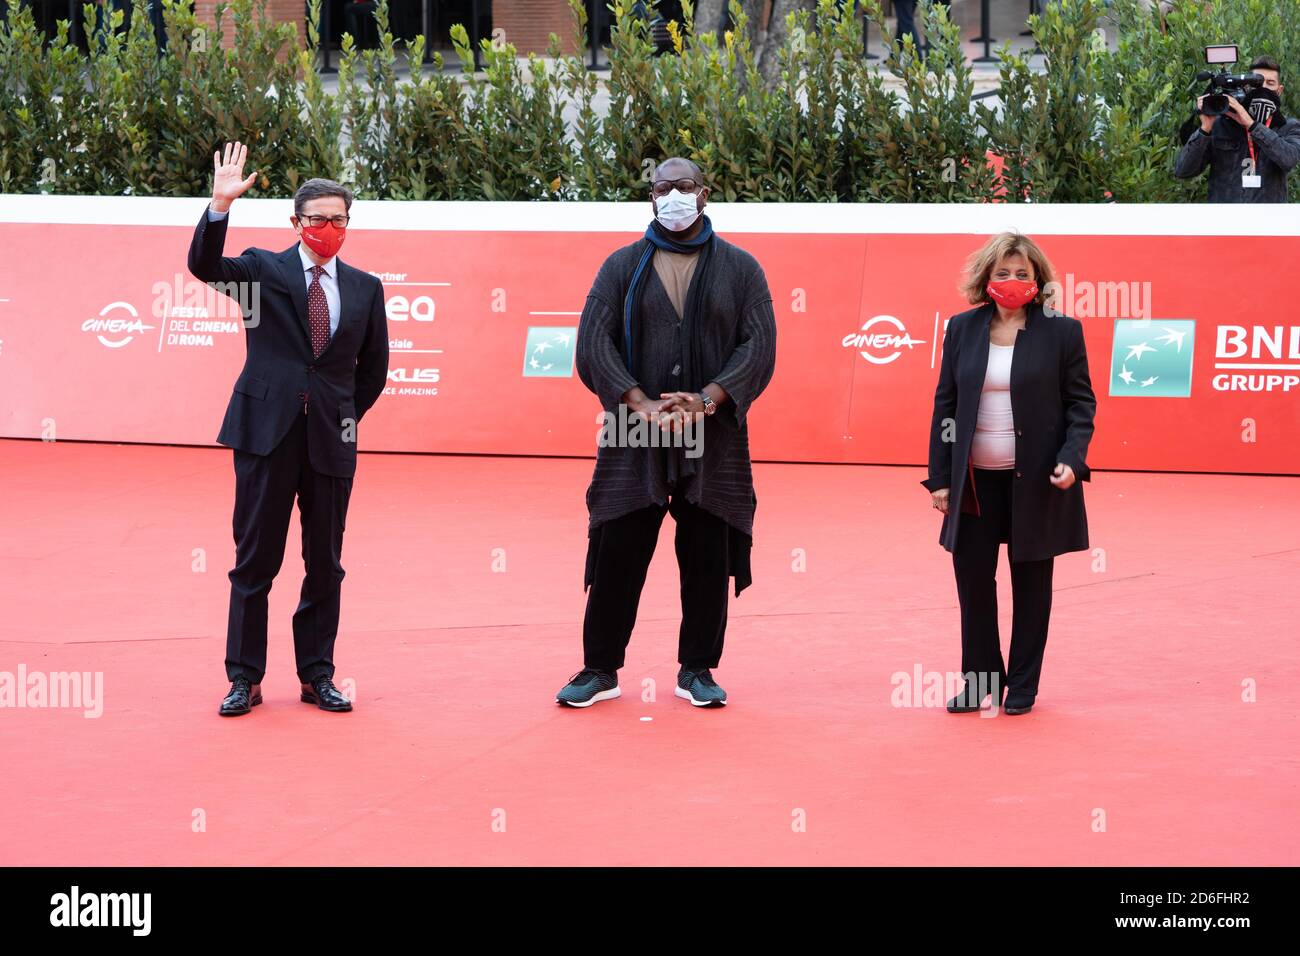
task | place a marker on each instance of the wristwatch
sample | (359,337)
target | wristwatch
(710,406)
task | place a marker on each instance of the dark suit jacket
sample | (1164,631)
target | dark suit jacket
(1053,406)
(342,384)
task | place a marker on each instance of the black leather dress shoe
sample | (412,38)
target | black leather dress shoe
(1018,704)
(325,695)
(242,698)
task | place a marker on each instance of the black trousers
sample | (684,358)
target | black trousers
(975,562)
(621,553)
(265,489)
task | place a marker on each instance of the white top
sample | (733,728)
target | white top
(994,446)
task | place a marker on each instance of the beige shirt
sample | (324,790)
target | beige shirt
(675,270)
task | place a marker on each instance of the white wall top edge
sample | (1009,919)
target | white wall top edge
(1164,219)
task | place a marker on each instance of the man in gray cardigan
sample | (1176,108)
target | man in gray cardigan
(677,339)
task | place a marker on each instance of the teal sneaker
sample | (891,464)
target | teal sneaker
(699,687)
(588,686)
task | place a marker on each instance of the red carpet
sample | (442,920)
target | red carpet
(1141,749)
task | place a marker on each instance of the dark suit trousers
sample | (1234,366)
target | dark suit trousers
(265,489)
(622,549)
(975,562)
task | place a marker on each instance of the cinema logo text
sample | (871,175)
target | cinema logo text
(117,325)
(881,340)
(63,690)
(77,909)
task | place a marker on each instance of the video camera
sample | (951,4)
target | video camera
(1224,84)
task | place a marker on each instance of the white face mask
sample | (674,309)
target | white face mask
(676,211)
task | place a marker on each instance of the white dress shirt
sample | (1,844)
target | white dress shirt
(329,282)
(994,445)
(329,279)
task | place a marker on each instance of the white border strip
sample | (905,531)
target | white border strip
(1167,219)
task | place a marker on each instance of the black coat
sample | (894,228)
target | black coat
(1225,150)
(736,349)
(1053,406)
(342,384)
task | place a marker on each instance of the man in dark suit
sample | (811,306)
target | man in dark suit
(317,360)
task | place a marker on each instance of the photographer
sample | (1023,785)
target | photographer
(1250,148)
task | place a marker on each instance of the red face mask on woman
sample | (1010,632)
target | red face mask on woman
(1012,293)
(324,240)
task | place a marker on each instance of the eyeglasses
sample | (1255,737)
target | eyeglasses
(340,222)
(664,186)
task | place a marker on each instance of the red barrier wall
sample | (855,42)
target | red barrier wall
(105,336)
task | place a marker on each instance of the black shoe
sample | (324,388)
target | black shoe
(325,695)
(1018,703)
(967,702)
(242,698)
(588,686)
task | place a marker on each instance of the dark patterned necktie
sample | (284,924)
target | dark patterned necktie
(318,313)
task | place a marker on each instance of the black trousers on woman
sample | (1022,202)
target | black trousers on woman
(618,558)
(975,561)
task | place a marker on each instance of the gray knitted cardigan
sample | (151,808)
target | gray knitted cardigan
(738,352)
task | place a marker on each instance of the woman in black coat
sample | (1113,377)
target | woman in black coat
(1013,416)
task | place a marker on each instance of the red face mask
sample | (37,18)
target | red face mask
(1012,293)
(324,240)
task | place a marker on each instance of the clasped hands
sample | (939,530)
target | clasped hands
(671,411)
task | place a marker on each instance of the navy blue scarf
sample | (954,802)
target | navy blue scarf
(657,237)
(677,465)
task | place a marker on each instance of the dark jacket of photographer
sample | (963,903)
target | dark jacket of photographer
(1225,151)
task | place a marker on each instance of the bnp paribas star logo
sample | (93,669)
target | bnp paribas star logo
(549,351)
(1152,358)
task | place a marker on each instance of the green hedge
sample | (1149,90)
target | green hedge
(1097,125)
